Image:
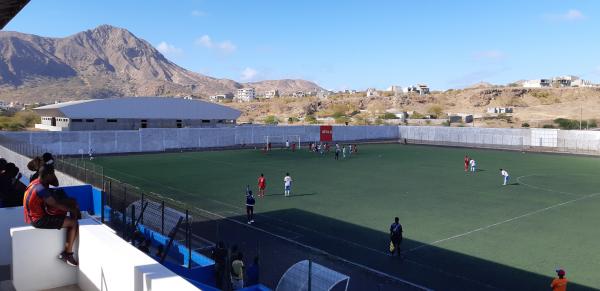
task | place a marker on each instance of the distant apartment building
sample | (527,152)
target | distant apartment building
(323,94)
(245,95)
(221,97)
(563,81)
(537,83)
(500,110)
(558,82)
(420,89)
(269,94)
(299,94)
(372,92)
(582,83)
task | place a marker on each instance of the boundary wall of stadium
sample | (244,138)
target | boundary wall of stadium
(171,139)
(175,139)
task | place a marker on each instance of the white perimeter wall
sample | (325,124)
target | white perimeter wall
(157,140)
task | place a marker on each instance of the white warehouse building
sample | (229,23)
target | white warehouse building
(132,113)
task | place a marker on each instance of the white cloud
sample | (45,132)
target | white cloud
(198,13)
(168,49)
(248,74)
(204,41)
(225,47)
(570,15)
(489,55)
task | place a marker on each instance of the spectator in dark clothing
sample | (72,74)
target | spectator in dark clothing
(11,188)
(396,236)
(46,160)
(159,251)
(3,163)
(250,202)
(219,255)
(252,274)
(34,166)
(145,246)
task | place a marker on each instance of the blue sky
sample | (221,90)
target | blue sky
(349,44)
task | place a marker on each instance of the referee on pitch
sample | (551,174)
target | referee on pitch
(396,236)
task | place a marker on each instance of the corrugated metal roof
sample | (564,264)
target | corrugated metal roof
(140,108)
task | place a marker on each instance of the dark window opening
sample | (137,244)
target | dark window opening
(89,120)
(53,121)
(111,120)
(221,121)
(178,124)
(205,121)
(76,120)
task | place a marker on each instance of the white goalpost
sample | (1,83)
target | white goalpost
(280,140)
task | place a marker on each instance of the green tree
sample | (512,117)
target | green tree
(389,115)
(435,110)
(271,119)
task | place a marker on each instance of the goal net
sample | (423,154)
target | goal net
(282,141)
(306,275)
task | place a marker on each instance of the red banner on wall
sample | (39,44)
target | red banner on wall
(326,133)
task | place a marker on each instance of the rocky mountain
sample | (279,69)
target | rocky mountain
(104,62)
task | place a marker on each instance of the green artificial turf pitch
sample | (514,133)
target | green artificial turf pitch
(465,226)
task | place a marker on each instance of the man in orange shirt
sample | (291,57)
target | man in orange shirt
(560,283)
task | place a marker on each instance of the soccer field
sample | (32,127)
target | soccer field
(462,230)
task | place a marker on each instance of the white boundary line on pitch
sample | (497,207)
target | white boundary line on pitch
(503,222)
(519,179)
(285,238)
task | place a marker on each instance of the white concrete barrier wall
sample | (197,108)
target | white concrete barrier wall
(35,263)
(155,140)
(106,262)
(9,218)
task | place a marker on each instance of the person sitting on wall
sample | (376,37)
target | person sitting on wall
(47,160)
(37,198)
(11,188)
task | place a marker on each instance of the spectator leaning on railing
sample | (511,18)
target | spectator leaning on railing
(36,202)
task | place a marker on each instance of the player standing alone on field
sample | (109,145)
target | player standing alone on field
(505,175)
(473,165)
(337,151)
(287,184)
(396,236)
(262,184)
(287,144)
(467,160)
(250,202)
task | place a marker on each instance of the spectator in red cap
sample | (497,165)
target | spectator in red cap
(560,283)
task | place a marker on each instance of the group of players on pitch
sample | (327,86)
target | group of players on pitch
(262,186)
(471,166)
